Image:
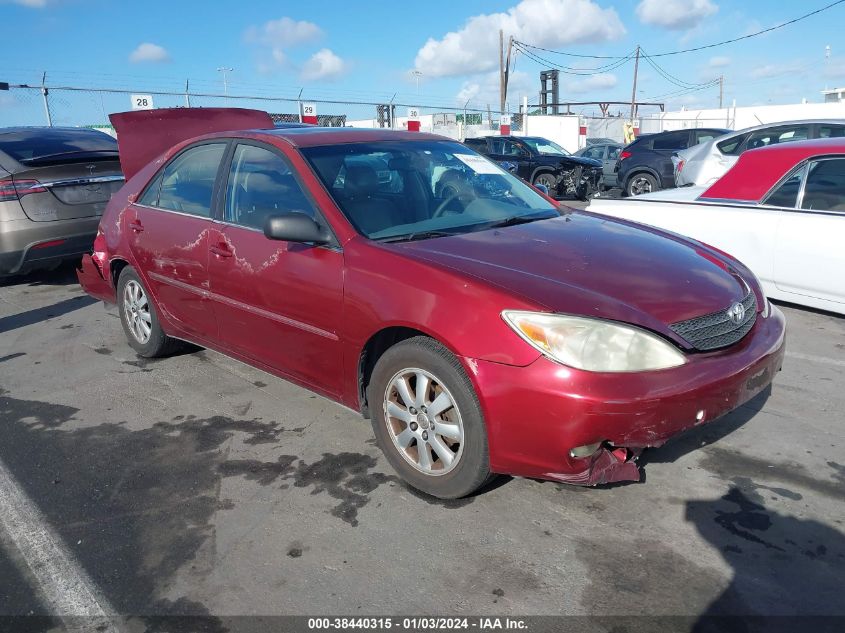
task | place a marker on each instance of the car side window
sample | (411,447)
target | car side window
(150,195)
(825,186)
(786,194)
(613,153)
(261,183)
(732,146)
(187,183)
(594,152)
(831,131)
(703,137)
(677,140)
(774,136)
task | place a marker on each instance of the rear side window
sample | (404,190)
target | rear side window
(825,187)
(732,146)
(188,180)
(675,140)
(478,144)
(786,195)
(703,137)
(261,184)
(40,144)
(613,153)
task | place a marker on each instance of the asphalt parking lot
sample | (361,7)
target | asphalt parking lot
(197,485)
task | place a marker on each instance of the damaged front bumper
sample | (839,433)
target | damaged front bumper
(536,415)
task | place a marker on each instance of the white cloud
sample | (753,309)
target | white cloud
(474,48)
(323,64)
(593,83)
(32,4)
(675,14)
(274,37)
(148,52)
(484,89)
(719,62)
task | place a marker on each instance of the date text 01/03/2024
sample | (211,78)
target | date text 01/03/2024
(418,623)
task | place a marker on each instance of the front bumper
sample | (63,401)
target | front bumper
(537,414)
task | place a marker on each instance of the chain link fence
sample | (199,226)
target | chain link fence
(71,105)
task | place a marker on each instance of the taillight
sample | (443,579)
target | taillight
(16,189)
(99,255)
(624,154)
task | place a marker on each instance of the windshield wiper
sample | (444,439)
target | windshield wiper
(516,219)
(420,235)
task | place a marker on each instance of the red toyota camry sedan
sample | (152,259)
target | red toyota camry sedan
(482,328)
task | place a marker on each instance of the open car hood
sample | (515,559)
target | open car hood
(143,135)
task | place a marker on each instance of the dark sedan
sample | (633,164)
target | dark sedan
(543,162)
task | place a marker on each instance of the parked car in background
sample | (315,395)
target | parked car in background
(483,330)
(543,162)
(705,163)
(54,184)
(608,154)
(646,164)
(780,210)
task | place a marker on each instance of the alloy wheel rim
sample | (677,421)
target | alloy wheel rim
(423,421)
(640,186)
(545,181)
(136,311)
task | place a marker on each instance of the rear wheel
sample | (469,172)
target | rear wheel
(642,183)
(139,318)
(427,419)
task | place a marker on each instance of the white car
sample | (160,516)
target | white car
(705,163)
(780,210)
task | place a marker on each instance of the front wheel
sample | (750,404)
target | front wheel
(547,180)
(427,419)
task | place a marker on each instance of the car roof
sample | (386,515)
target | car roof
(766,126)
(757,170)
(313,136)
(53,130)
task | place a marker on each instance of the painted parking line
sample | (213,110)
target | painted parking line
(64,586)
(824,360)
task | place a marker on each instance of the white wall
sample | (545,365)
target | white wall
(740,117)
(562,129)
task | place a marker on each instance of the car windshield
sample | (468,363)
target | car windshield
(406,190)
(545,146)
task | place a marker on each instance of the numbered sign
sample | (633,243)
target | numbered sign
(142,102)
(505,119)
(308,113)
(414,114)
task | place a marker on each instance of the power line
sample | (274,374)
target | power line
(696,48)
(582,72)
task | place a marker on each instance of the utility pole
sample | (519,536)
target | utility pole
(721,90)
(225,70)
(501,70)
(44,92)
(634,89)
(507,73)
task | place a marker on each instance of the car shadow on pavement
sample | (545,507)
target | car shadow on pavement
(787,571)
(36,315)
(63,275)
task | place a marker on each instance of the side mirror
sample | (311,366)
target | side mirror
(295,227)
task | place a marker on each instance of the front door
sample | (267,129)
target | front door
(168,229)
(279,303)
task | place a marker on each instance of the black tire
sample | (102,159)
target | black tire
(641,183)
(158,344)
(472,469)
(547,179)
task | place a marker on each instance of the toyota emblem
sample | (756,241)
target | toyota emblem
(736,313)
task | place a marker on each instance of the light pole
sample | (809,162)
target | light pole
(417,74)
(224,70)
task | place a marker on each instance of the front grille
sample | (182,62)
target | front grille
(716,330)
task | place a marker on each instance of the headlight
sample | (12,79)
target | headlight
(593,344)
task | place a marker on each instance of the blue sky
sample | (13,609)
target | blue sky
(367,50)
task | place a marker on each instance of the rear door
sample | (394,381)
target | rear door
(663,146)
(168,230)
(809,255)
(279,303)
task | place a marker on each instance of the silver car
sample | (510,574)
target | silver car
(607,151)
(54,185)
(705,163)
